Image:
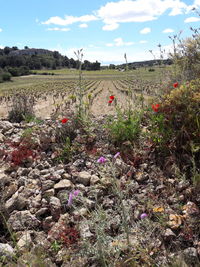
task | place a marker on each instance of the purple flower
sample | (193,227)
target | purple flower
(116,155)
(101,160)
(143,215)
(71,196)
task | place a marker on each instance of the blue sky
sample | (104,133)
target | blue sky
(104,29)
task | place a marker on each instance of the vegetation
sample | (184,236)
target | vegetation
(151,172)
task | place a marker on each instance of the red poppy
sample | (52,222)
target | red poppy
(110,101)
(64,120)
(112,97)
(155,107)
(175,85)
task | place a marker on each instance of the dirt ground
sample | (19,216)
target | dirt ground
(100,105)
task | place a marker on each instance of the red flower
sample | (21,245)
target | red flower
(110,101)
(175,85)
(155,107)
(112,97)
(64,120)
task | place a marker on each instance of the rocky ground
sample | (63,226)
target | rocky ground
(38,227)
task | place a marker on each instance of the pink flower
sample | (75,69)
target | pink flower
(71,196)
(101,160)
(143,215)
(116,155)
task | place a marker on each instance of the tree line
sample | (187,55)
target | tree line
(17,62)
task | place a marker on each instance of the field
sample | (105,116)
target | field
(50,91)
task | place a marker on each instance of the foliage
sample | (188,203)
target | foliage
(21,108)
(124,128)
(175,127)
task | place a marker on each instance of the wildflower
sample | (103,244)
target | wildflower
(143,215)
(110,101)
(112,97)
(175,85)
(116,155)
(64,120)
(155,107)
(71,196)
(101,160)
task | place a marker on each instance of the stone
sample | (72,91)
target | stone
(22,220)
(25,241)
(55,207)
(5,126)
(6,251)
(2,138)
(94,179)
(169,234)
(190,256)
(84,178)
(48,184)
(141,176)
(63,184)
(66,176)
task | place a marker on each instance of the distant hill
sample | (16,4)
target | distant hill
(30,52)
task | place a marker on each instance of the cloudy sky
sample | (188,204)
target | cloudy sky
(104,29)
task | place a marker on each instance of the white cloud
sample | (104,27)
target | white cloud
(143,42)
(58,29)
(119,42)
(1,30)
(110,27)
(69,20)
(145,30)
(168,30)
(83,25)
(109,44)
(139,10)
(191,19)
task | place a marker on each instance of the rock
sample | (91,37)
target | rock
(141,176)
(79,163)
(47,223)
(190,256)
(25,241)
(41,211)
(2,138)
(66,176)
(80,213)
(48,184)
(16,202)
(94,179)
(169,234)
(5,126)
(182,185)
(10,190)
(49,193)
(63,184)
(84,178)
(55,207)
(58,228)
(6,251)
(191,209)
(22,220)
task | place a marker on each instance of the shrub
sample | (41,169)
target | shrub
(125,128)
(176,125)
(6,76)
(21,108)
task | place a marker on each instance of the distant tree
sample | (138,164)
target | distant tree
(26,47)
(112,66)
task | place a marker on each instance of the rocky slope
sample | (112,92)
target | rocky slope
(39,226)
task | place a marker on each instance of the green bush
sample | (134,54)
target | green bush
(6,76)
(22,108)
(125,128)
(175,127)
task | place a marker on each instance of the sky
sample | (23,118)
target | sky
(105,30)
